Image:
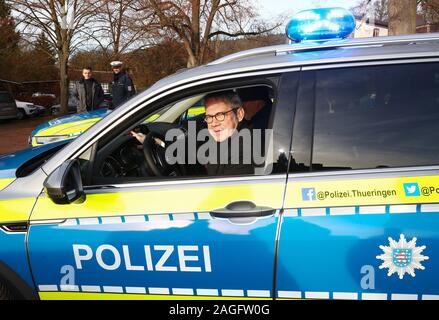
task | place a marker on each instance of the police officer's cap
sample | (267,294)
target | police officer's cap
(115,64)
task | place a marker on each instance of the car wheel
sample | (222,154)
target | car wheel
(5,292)
(21,114)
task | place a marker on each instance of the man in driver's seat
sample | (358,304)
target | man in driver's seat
(224,117)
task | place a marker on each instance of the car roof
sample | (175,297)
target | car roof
(307,54)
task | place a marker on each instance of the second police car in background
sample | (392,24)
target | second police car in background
(348,207)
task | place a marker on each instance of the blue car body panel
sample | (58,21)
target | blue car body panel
(333,254)
(13,254)
(230,261)
(10,162)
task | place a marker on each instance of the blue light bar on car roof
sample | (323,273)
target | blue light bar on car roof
(321,24)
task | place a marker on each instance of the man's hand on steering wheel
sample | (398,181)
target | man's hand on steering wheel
(154,149)
(141,138)
(138,135)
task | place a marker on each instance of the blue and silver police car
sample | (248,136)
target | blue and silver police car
(345,205)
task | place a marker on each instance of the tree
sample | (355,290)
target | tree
(156,62)
(62,21)
(403,13)
(32,64)
(402,17)
(43,57)
(196,23)
(374,10)
(9,41)
(44,48)
(9,37)
(97,59)
(118,27)
(430,11)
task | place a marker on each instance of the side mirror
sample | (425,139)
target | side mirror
(64,185)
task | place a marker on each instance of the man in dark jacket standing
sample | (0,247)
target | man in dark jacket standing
(88,92)
(122,86)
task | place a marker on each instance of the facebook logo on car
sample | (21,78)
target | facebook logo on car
(412,189)
(308,194)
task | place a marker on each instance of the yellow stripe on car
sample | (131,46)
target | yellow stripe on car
(121,296)
(357,192)
(68,128)
(5,182)
(195,111)
(15,209)
(161,200)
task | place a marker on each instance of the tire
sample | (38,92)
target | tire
(21,114)
(54,111)
(5,292)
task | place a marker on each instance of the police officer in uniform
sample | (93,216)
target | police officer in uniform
(122,85)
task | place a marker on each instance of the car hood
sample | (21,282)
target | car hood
(9,163)
(72,119)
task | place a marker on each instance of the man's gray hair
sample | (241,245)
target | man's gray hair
(229,97)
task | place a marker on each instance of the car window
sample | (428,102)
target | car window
(36,162)
(376,117)
(124,158)
(193,112)
(157,114)
(6,97)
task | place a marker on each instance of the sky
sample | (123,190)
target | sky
(272,8)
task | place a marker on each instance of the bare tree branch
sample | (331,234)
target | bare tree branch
(62,22)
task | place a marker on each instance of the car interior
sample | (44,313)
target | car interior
(125,159)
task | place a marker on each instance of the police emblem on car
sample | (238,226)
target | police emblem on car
(402,257)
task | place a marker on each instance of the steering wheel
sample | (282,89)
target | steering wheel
(155,156)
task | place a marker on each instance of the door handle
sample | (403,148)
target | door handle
(242,209)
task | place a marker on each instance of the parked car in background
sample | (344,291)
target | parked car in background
(71,126)
(40,94)
(71,108)
(8,107)
(26,109)
(45,101)
(108,101)
(41,110)
(106,104)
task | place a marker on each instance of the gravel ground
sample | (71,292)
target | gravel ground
(14,134)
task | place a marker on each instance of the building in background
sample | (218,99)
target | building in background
(367,28)
(423,26)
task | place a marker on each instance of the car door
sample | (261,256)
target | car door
(8,108)
(177,238)
(361,212)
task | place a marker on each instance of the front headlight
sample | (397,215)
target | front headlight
(50,139)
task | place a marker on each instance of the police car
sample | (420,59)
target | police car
(71,126)
(346,206)
(65,128)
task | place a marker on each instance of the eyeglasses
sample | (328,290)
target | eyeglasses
(220,116)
